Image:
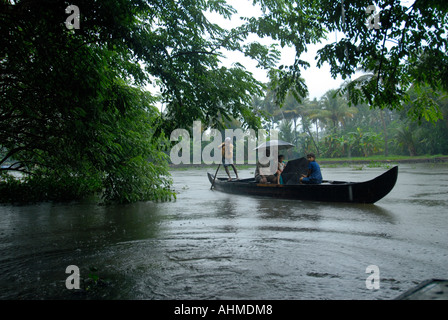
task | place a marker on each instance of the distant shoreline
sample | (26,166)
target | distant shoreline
(392,160)
(437,159)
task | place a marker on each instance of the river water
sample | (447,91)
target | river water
(211,245)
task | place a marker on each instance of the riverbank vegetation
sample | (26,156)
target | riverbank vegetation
(77,117)
(333,128)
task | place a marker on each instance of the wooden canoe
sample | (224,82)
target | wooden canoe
(330,191)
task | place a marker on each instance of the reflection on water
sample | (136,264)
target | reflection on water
(211,245)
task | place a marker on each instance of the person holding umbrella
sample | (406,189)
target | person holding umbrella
(275,177)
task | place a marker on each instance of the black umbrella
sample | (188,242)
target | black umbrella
(280,144)
(294,170)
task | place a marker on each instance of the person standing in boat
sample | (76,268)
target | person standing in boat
(227,157)
(314,175)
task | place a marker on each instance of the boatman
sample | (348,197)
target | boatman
(314,175)
(227,156)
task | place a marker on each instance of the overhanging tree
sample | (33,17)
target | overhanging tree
(405,45)
(71,103)
(72,108)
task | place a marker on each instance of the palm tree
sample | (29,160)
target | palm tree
(315,113)
(269,107)
(293,110)
(290,111)
(353,88)
(335,110)
(406,138)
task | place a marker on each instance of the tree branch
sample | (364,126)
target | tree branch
(181,53)
(11,153)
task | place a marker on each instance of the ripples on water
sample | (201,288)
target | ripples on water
(210,245)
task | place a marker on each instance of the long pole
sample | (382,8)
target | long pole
(213,184)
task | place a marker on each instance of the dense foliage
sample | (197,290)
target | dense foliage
(333,128)
(406,46)
(75,118)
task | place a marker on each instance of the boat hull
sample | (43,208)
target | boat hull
(336,191)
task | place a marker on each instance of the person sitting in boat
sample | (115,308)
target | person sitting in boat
(314,175)
(281,167)
(227,156)
(261,169)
